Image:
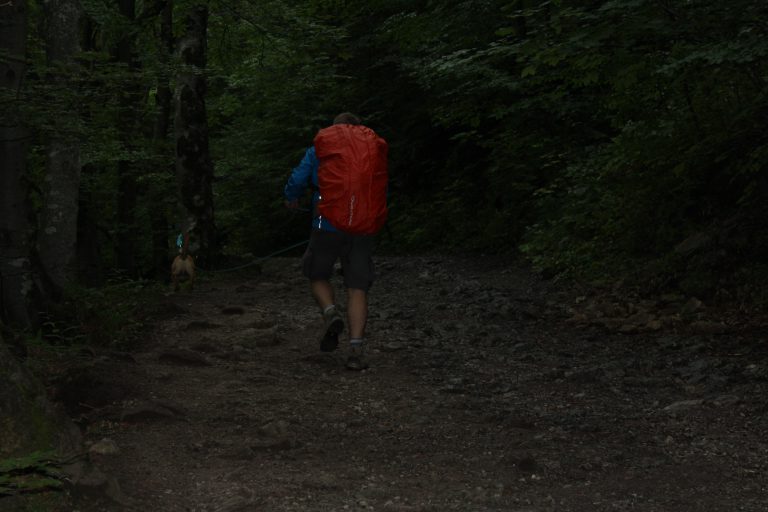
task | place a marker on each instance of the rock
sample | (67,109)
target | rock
(578,318)
(726,401)
(261,337)
(323,359)
(263,323)
(201,324)
(274,435)
(323,481)
(693,243)
(683,406)
(93,479)
(96,385)
(628,328)
(274,429)
(206,346)
(639,318)
(692,306)
(708,327)
(104,447)
(392,346)
(585,375)
(756,371)
(121,356)
(238,354)
(238,504)
(183,357)
(95,483)
(654,325)
(233,310)
(149,411)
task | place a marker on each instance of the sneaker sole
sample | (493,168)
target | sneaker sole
(356,365)
(331,337)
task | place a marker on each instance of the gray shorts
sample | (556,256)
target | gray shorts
(354,251)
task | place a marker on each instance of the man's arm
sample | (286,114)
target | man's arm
(300,178)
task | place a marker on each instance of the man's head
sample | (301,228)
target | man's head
(347,118)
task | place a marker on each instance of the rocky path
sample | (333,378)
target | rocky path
(488,391)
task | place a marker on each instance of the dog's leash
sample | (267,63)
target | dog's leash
(263,258)
(256,261)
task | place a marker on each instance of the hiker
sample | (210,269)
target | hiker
(347,170)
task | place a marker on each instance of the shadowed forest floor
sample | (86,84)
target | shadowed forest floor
(489,390)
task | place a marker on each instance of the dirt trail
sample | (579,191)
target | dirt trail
(481,396)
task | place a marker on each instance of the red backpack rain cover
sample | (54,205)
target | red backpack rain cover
(352,178)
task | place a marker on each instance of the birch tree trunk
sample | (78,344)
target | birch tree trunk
(194,169)
(164,105)
(57,238)
(18,287)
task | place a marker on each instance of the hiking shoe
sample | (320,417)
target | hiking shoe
(356,358)
(332,327)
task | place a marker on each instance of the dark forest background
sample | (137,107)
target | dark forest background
(613,142)
(605,140)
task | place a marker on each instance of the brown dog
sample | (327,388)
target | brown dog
(183,264)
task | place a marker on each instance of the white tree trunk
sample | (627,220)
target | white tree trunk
(57,238)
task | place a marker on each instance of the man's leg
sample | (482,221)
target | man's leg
(357,312)
(317,263)
(322,291)
(358,276)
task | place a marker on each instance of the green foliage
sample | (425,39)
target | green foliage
(111,315)
(34,473)
(681,115)
(595,136)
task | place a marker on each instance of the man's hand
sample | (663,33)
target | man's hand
(292,205)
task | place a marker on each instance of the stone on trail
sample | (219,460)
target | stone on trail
(201,324)
(392,346)
(260,337)
(726,401)
(244,502)
(683,406)
(233,310)
(183,356)
(708,327)
(93,482)
(104,447)
(274,435)
(151,411)
(323,359)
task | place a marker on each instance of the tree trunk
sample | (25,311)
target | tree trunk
(18,287)
(57,238)
(194,169)
(164,103)
(127,187)
(89,254)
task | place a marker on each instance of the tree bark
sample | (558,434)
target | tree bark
(164,104)
(194,169)
(18,286)
(57,238)
(127,187)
